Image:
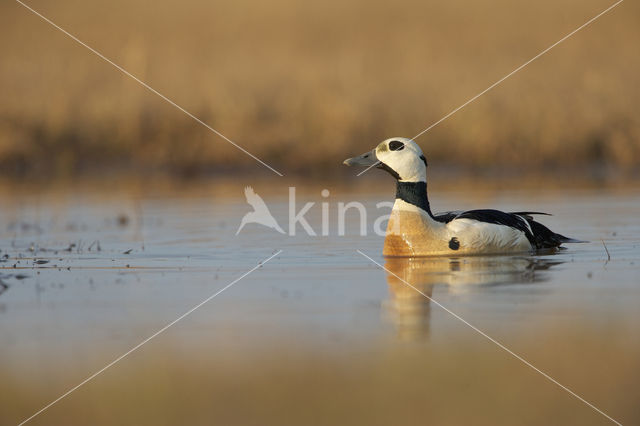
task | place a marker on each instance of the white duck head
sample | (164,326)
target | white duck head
(401,157)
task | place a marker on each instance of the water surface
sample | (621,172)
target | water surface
(319,334)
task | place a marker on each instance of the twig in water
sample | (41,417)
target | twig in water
(607,250)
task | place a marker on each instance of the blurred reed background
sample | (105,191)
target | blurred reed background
(303,85)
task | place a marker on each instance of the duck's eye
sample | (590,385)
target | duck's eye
(396,145)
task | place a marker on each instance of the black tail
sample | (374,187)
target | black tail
(546,238)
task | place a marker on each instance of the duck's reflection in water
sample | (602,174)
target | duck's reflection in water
(410,310)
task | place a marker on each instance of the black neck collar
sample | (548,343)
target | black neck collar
(414,193)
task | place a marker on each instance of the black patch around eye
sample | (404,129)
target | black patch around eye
(424,159)
(454,244)
(396,146)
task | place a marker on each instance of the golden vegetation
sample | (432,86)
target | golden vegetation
(303,85)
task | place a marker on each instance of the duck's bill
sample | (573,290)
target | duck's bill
(366,159)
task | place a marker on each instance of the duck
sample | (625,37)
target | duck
(414,231)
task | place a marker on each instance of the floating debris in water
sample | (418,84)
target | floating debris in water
(123,219)
(40,261)
(127,251)
(25,227)
(607,251)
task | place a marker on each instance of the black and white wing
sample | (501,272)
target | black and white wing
(538,235)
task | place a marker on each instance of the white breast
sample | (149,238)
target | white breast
(401,205)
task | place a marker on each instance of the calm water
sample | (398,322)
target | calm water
(319,334)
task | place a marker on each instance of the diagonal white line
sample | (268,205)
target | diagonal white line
(149,338)
(368,168)
(518,69)
(500,345)
(509,75)
(151,89)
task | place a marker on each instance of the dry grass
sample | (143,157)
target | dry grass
(305,84)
